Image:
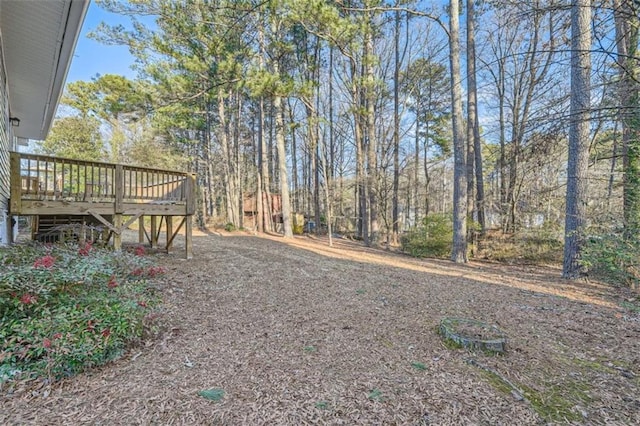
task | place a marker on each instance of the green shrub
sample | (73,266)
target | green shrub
(230,227)
(431,239)
(613,259)
(66,308)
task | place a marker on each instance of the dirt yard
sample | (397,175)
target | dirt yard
(300,333)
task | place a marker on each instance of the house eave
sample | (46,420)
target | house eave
(38,41)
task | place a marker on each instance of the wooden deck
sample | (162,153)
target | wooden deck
(116,195)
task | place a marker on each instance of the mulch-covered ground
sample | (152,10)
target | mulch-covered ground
(300,333)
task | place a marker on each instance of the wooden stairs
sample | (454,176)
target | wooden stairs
(53,228)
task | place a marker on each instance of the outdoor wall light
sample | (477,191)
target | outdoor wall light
(15,122)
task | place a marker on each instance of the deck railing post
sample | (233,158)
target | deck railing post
(190,211)
(119,188)
(191,194)
(118,205)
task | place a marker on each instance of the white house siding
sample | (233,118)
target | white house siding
(5,145)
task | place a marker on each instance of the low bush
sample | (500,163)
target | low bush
(298,229)
(65,308)
(613,258)
(432,238)
(541,246)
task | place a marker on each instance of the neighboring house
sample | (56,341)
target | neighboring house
(37,41)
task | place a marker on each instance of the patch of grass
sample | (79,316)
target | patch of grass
(214,394)
(310,349)
(555,404)
(631,306)
(601,364)
(419,366)
(590,365)
(375,395)
(322,405)
(361,291)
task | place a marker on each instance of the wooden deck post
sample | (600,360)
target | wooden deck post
(188,232)
(169,221)
(141,230)
(83,230)
(154,231)
(117,236)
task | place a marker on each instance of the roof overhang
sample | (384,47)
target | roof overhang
(38,40)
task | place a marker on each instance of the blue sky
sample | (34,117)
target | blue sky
(93,58)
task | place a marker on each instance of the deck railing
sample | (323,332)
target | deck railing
(43,178)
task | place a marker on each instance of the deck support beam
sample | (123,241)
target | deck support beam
(154,231)
(104,221)
(141,230)
(169,224)
(117,235)
(188,237)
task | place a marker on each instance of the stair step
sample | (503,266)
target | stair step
(51,228)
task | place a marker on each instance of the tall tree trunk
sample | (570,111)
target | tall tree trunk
(238,159)
(576,200)
(416,170)
(312,149)
(327,194)
(295,200)
(282,167)
(470,158)
(427,175)
(360,198)
(265,200)
(473,121)
(502,161)
(627,21)
(207,178)
(332,140)
(396,131)
(612,168)
(459,250)
(312,73)
(208,192)
(231,190)
(266,211)
(372,146)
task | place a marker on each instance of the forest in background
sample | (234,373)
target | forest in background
(440,126)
